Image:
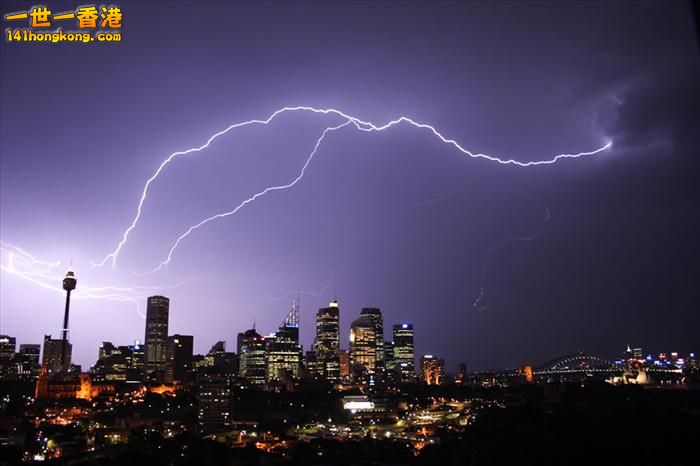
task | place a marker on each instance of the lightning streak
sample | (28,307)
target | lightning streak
(358,123)
(41,273)
(250,199)
(482,290)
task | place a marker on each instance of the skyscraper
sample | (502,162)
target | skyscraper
(27,360)
(253,364)
(157,311)
(7,354)
(7,347)
(52,358)
(404,358)
(326,345)
(375,316)
(389,362)
(214,402)
(178,366)
(283,350)
(432,370)
(69,284)
(363,350)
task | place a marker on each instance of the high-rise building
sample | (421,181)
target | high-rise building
(326,345)
(51,356)
(432,370)
(31,351)
(363,349)
(106,349)
(223,361)
(137,362)
(253,364)
(26,361)
(179,352)
(113,364)
(157,312)
(283,350)
(375,316)
(389,362)
(7,354)
(214,402)
(404,358)
(7,347)
(310,364)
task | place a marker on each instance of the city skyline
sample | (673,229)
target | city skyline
(494,264)
(157,347)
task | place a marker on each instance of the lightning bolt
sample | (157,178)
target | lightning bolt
(348,119)
(250,199)
(24,265)
(482,290)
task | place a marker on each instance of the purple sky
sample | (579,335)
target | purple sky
(394,219)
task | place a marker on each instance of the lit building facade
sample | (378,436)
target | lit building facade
(375,317)
(363,350)
(214,402)
(253,364)
(283,350)
(52,358)
(432,370)
(326,345)
(7,354)
(404,357)
(156,341)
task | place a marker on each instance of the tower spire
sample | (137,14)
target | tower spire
(292,319)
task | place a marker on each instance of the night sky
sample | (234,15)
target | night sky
(585,254)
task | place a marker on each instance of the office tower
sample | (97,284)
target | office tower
(157,311)
(136,360)
(224,362)
(375,316)
(113,363)
(55,357)
(178,366)
(310,363)
(363,345)
(69,284)
(214,402)
(283,350)
(404,358)
(432,370)
(31,351)
(26,361)
(105,350)
(7,347)
(7,354)
(215,355)
(138,356)
(252,366)
(389,362)
(326,344)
